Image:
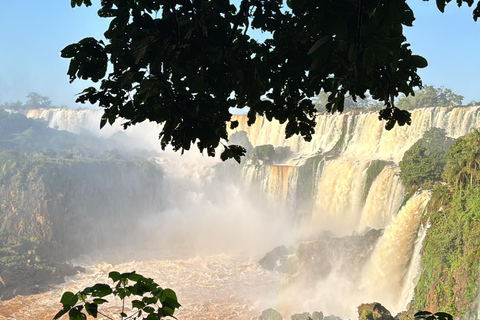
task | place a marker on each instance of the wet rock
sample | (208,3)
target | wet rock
(26,279)
(275,258)
(373,311)
(301,316)
(270,314)
(317,315)
(332,318)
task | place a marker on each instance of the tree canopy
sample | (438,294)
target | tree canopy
(425,160)
(430,96)
(185,63)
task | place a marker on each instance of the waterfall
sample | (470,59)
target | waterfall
(346,178)
(385,274)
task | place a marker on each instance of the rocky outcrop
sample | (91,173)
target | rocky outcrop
(373,311)
(54,209)
(317,258)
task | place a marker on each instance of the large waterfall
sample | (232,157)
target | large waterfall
(353,166)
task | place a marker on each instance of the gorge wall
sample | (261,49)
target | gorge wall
(53,209)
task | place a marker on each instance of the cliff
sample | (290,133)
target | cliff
(53,209)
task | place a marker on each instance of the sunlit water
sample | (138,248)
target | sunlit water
(212,287)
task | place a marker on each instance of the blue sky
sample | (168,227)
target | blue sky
(33,33)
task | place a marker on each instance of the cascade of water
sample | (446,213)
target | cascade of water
(345,199)
(384,276)
(362,134)
(87,121)
(383,201)
(339,197)
(411,278)
(282,183)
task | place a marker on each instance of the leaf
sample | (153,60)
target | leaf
(138,304)
(419,61)
(139,54)
(101,290)
(233,124)
(134,276)
(441,5)
(103,122)
(99,301)
(444,315)
(61,312)
(69,299)
(422,313)
(169,298)
(368,58)
(382,53)
(149,310)
(92,309)
(76,314)
(318,44)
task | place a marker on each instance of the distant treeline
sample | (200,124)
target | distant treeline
(427,97)
(34,101)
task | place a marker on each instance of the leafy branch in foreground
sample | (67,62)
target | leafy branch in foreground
(149,301)
(433,316)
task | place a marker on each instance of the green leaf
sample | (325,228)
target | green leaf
(99,301)
(149,310)
(134,276)
(69,299)
(61,312)
(382,53)
(101,290)
(138,304)
(318,44)
(114,275)
(92,309)
(169,298)
(76,314)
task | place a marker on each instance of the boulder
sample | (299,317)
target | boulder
(275,258)
(373,311)
(270,314)
(301,316)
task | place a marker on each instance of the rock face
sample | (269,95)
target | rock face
(319,256)
(373,311)
(54,209)
(276,259)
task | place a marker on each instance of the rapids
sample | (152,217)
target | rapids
(209,287)
(226,232)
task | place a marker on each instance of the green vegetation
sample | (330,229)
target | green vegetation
(451,258)
(462,167)
(34,101)
(430,96)
(423,163)
(148,300)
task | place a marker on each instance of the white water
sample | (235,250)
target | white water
(230,222)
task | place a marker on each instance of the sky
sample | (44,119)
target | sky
(34,33)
